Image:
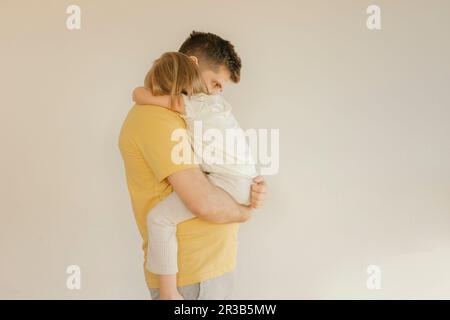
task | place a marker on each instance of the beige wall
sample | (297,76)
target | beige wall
(364,154)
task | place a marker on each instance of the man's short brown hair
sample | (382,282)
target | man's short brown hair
(213,51)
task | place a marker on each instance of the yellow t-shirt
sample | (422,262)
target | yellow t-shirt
(205,250)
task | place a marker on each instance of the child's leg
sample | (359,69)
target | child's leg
(162,247)
(168,288)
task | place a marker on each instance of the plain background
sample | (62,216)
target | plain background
(364,144)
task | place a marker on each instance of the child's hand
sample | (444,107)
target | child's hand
(141,95)
(258,193)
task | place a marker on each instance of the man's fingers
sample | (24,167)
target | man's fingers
(257,194)
(259,187)
(257,197)
(257,204)
(258,179)
(258,190)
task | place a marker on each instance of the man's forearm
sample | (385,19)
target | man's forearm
(221,208)
(205,200)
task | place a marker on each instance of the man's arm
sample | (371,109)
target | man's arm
(198,194)
(206,201)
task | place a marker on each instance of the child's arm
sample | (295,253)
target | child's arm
(142,95)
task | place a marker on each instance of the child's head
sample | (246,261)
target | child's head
(174,74)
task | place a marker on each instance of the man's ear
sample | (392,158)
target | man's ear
(195,59)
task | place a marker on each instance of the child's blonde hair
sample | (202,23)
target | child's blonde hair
(174,74)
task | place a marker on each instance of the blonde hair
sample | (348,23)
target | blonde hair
(174,74)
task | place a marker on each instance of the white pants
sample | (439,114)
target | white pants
(162,220)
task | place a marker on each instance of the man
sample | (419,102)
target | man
(207,246)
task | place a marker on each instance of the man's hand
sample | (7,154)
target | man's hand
(258,193)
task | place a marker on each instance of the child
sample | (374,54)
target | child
(174,82)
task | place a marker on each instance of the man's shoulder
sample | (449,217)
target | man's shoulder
(153,117)
(147,122)
(156,111)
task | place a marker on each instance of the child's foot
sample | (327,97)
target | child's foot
(171,296)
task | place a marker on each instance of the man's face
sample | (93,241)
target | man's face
(216,80)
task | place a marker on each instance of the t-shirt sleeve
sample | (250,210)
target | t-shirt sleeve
(164,143)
